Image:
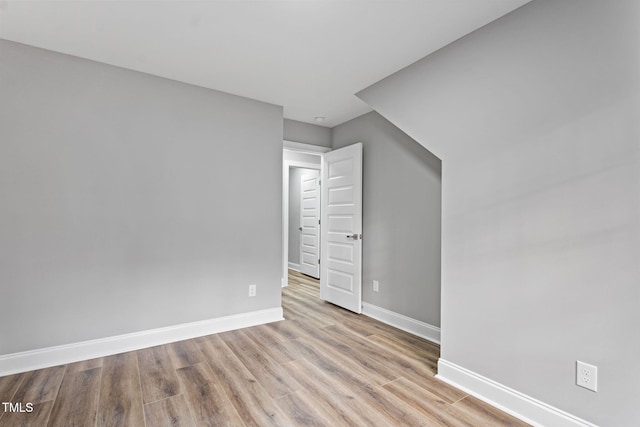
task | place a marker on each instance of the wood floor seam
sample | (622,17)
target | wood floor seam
(462,398)
(95,423)
(160,400)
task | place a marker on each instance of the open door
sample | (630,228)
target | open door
(341,232)
(310,224)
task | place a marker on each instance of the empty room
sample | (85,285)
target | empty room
(320,213)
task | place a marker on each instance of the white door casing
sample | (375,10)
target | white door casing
(341,232)
(310,224)
(290,151)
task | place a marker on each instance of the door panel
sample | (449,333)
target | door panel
(341,233)
(341,253)
(341,223)
(309,224)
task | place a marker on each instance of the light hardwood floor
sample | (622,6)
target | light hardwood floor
(322,366)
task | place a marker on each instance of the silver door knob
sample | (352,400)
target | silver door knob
(354,236)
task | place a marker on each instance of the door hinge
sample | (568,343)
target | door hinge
(318,262)
(318,222)
(319,182)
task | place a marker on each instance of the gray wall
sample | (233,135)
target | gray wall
(535,118)
(296,156)
(129,201)
(401,218)
(306,133)
(294,211)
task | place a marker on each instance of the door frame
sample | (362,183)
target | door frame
(301,148)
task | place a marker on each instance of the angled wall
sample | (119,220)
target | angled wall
(535,118)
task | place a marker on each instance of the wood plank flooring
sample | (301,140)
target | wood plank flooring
(323,366)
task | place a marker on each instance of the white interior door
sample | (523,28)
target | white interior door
(341,233)
(310,224)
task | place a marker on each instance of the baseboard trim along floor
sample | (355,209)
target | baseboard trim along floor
(293,266)
(513,402)
(69,353)
(400,321)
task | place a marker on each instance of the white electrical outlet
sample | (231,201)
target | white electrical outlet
(376,286)
(587,376)
(252,290)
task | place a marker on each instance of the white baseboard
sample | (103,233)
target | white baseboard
(400,321)
(513,402)
(294,266)
(69,353)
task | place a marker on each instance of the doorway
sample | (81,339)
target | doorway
(339,204)
(296,157)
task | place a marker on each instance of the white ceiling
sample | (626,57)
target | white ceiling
(309,56)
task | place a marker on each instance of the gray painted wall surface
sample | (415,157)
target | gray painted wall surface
(129,202)
(294,212)
(307,133)
(401,218)
(535,117)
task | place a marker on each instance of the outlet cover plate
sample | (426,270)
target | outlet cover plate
(587,376)
(252,290)
(376,286)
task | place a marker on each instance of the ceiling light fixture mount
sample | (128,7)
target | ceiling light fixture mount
(319,119)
